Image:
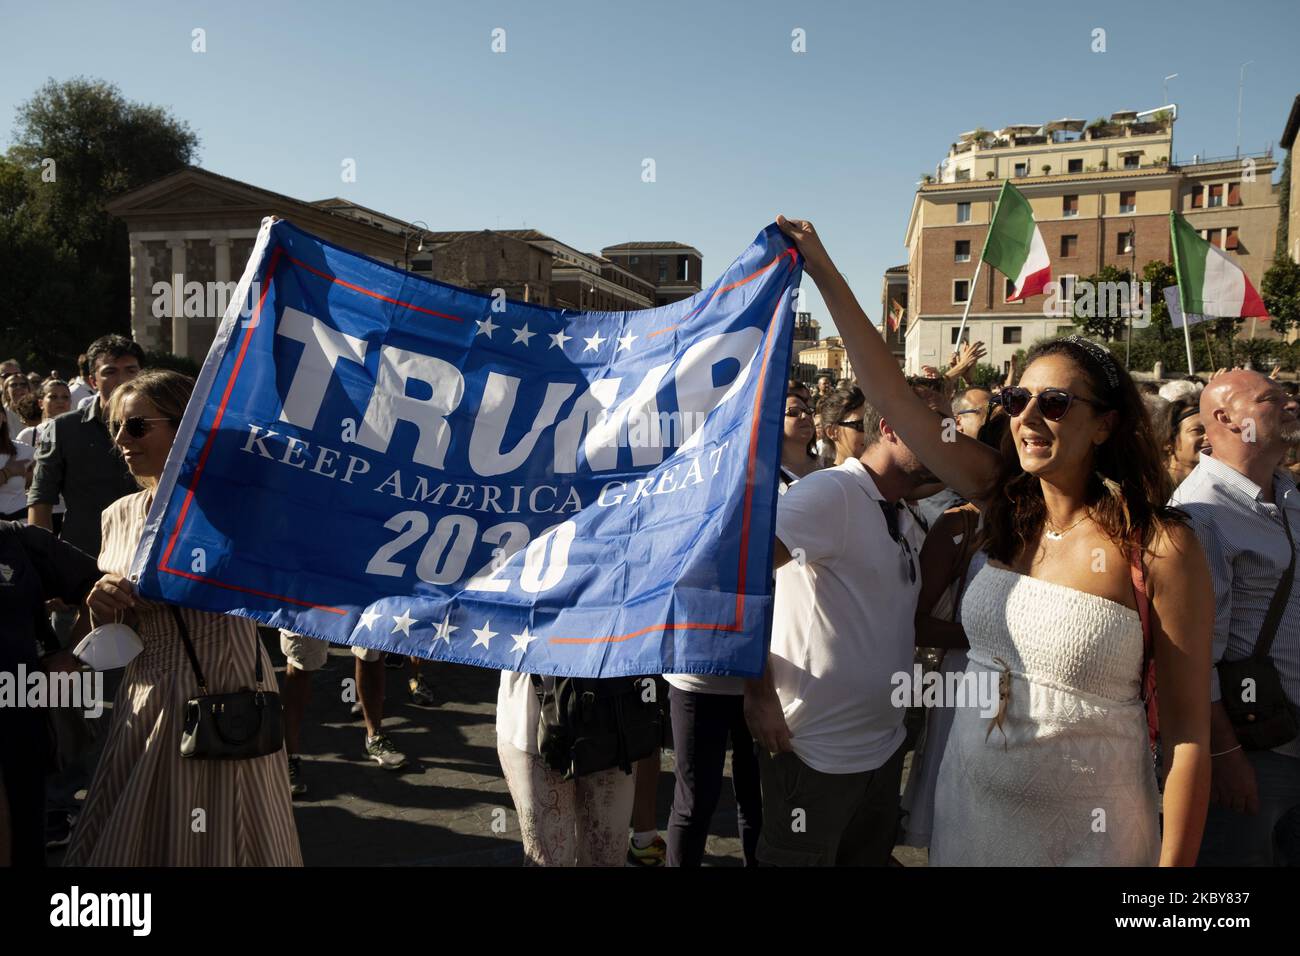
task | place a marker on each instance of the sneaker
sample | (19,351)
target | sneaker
(382,752)
(58,829)
(653,855)
(296,787)
(421,692)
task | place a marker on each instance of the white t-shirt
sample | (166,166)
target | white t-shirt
(518,712)
(79,390)
(843,620)
(13,493)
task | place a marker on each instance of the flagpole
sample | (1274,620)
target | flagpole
(970,297)
(979,264)
(1182,299)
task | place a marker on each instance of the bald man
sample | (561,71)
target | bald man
(1245,510)
(971,409)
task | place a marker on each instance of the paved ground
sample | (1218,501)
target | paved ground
(450,805)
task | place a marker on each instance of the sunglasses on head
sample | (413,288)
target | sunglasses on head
(1053,403)
(137,426)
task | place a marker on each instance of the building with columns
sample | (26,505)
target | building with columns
(191,234)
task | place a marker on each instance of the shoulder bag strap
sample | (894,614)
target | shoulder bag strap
(1280,597)
(189,648)
(194,660)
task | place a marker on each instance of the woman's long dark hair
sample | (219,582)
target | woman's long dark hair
(1128,488)
(7,446)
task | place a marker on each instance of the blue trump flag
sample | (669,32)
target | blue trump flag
(378,459)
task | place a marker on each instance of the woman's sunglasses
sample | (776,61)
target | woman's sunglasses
(136,426)
(798,413)
(1053,403)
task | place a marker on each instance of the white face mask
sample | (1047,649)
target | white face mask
(109,646)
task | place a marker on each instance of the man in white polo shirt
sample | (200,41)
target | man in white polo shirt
(829,738)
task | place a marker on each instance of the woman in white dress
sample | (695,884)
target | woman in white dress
(1062,775)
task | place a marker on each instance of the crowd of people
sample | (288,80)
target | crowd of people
(1111,560)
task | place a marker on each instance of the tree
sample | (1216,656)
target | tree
(77,144)
(1094,313)
(1280,290)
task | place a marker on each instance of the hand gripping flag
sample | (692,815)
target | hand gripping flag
(377,459)
(1014,245)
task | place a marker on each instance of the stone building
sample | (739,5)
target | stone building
(191,233)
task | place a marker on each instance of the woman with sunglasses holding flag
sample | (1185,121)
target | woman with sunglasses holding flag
(1088,579)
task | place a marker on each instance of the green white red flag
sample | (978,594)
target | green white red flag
(1209,282)
(1015,246)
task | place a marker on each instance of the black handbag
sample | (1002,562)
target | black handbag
(236,726)
(1251,688)
(587,725)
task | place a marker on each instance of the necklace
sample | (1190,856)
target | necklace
(1053,535)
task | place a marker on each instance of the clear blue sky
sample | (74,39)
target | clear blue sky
(553,132)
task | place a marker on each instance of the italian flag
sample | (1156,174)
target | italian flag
(1209,282)
(1015,246)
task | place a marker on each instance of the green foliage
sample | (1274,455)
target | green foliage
(1280,291)
(985,375)
(156,358)
(1284,209)
(64,259)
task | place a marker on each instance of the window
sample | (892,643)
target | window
(963,175)
(1070,206)
(952,335)
(1069,247)
(960,291)
(1022,170)
(635,260)
(1011,335)
(1122,241)
(1074,166)
(963,212)
(1132,161)
(1198,197)
(663,268)
(1067,283)
(1231,241)
(1214,238)
(1128,201)
(1234,194)
(961,251)
(1065,330)
(1009,291)
(685,270)
(1216,195)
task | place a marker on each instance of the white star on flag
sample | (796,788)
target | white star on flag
(445,628)
(523,640)
(484,634)
(368,618)
(625,342)
(522,335)
(594,342)
(403,623)
(558,339)
(485,327)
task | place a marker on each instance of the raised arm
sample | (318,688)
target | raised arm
(964,464)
